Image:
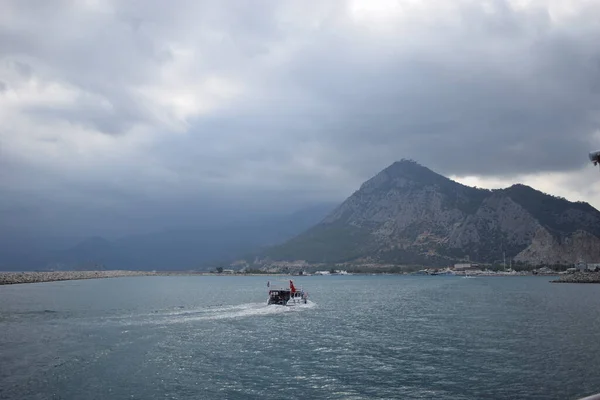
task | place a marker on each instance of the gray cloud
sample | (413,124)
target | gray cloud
(137,115)
(495,91)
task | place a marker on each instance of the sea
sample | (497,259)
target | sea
(359,337)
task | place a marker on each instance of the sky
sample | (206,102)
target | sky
(130,116)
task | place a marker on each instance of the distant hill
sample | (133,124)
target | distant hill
(408,214)
(175,249)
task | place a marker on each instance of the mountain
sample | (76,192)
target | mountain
(408,214)
(198,247)
(174,249)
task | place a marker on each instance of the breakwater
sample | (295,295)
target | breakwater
(579,277)
(9,278)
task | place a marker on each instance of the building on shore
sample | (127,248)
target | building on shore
(593,267)
(587,267)
(465,266)
(228,271)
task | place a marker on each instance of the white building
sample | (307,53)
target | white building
(228,271)
(462,267)
(593,266)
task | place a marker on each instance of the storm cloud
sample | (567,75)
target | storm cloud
(123,116)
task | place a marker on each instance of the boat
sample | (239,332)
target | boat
(286,296)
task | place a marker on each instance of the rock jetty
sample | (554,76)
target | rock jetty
(579,277)
(8,278)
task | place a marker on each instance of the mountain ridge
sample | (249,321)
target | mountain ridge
(410,214)
(195,247)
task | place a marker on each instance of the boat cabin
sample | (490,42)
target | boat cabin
(280,296)
(287,296)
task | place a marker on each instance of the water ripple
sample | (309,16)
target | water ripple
(360,338)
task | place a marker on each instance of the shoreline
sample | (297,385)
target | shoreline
(22,277)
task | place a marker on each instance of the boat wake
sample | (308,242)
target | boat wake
(247,310)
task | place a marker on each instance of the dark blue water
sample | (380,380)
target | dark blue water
(363,337)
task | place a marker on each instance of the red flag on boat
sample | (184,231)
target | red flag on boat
(292,287)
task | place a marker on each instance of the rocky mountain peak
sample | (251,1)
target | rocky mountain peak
(409,169)
(408,213)
(408,174)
